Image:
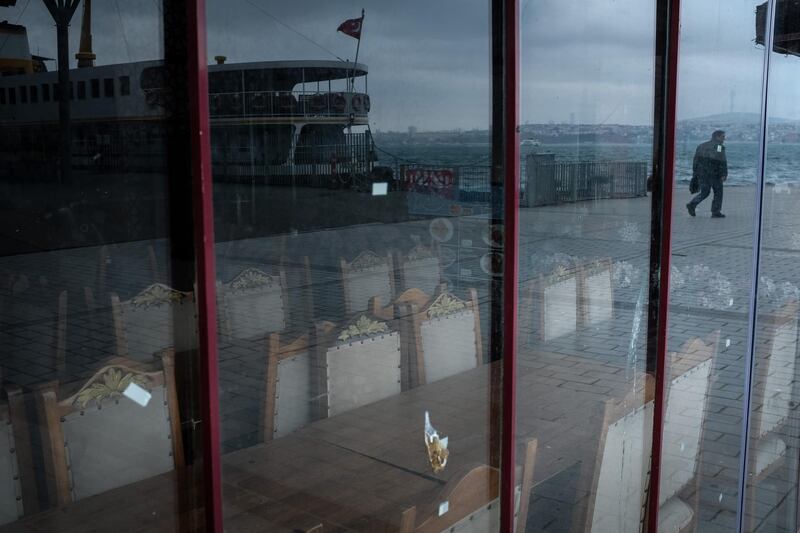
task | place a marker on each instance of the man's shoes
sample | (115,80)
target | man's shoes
(717,215)
(690,208)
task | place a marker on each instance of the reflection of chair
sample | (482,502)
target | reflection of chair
(356,364)
(120,427)
(444,336)
(18,493)
(773,396)
(595,293)
(253,304)
(621,471)
(289,396)
(553,302)
(157,318)
(420,268)
(472,502)
(366,276)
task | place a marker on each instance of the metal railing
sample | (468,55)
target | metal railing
(551,182)
(289,104)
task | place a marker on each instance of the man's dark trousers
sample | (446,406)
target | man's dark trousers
(706,185)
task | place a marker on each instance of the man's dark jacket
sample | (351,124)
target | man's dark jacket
(710,161)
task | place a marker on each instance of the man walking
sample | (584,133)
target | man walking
(710,166)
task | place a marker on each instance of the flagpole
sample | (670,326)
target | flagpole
(358,47)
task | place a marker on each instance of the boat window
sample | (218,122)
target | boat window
(2,95)
(108,87)
(12,96)
(34,94)
(153,78)
(124,85)
(95,88)
(81,90)
(71,91)
(45,92)
(23,95)
(56,94)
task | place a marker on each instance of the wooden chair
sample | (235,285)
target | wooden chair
(157,318)
(420,268)
(595,293)
(366,276)
(289,398)
(552,302)
(121,426)
(618,491)
(472,502)
(253,304)
(774,394)
(443,335)
(18,492)
(356,363)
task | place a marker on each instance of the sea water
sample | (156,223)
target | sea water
(783,160)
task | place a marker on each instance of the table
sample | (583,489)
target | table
(361,469)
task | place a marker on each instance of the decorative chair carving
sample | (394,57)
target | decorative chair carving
(121,426)
(368,275)
(444,335)
(253,304)
(357,364)
(595,293)
(157,318)
(553,303)
(289,398)
(473,502)
(420,268)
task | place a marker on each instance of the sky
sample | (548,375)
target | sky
(582,61)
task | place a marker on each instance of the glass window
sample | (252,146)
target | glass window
(358,259)
(584,373)
(108,87)
(2,95)
(95,84)
(12,95)
(99,411)
(124,85)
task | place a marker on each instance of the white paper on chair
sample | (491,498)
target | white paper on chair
(560,309)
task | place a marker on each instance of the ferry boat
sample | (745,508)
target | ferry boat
(281,122)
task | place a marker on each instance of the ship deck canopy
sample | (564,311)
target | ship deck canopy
(787,26)
(279,75)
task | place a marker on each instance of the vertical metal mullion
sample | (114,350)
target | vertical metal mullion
(769,32)
(668,32)
(511,171)
(202,206)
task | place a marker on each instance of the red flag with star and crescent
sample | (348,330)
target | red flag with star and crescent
(351,27)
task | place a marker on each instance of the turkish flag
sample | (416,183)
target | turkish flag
(351,27)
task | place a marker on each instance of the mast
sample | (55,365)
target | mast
(85,56)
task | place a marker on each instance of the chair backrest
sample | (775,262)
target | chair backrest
(121,426)
(473,502)
(253,304)
(11,489)
(368,275)
(445,336)
(595,293)
(420,268)
(289,394)
(157,318)
(775,370)
(360,363)
(553,302)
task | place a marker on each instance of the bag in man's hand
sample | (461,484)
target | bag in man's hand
(694,185)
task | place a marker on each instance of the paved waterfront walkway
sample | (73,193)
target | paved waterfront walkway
(711,279)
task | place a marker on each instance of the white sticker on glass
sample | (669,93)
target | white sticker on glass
(137,394)
(444,507)
(380,189)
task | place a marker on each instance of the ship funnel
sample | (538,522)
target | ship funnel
(15,55)
(85,56)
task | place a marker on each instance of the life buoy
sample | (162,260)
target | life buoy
(339,102)
(357,102)
(366,103)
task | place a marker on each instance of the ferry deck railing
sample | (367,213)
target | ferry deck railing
(309,104)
